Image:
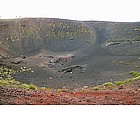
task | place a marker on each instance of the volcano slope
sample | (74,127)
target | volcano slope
(69,54)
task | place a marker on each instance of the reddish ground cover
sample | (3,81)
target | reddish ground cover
(129,95)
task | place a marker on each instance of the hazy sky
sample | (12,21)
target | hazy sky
(105,10)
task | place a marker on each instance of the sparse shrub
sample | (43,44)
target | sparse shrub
(33,87)
(136,39)
(108,84)
(118,83)
(4,82)
(85,90)
(137,66)
(135,73)
(7,80)
(96,88)
(136,78)
(30,86)
(46,89)
(128,81)
(62,90)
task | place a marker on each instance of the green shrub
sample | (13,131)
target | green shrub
(30,86)
(4,82)
(118,83)
(96,88)
(136,39)
(108,84)
(136,78)
(128,81)
(135,73)
(7,80)
(62,90)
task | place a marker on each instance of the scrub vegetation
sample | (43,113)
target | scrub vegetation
(56,61)
(7,80)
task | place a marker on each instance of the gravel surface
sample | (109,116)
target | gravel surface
(129,95)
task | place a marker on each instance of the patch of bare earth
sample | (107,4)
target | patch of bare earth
(129,95)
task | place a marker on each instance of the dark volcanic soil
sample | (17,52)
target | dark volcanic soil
(126,96)
(70,53)
(76,73)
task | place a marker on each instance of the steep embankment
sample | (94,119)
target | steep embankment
(28,36)
(118,38)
